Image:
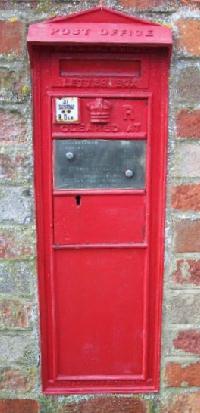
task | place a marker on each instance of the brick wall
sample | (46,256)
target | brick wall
(20,390)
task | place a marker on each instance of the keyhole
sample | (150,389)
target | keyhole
(78,200)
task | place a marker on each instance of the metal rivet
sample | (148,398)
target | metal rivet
(129,173)
(69,155)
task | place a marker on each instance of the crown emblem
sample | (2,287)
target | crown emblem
(100,110)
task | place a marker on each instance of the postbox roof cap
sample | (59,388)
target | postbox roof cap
(99,25)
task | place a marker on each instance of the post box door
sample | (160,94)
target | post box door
(100,233)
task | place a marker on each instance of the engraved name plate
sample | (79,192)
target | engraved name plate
(96,164)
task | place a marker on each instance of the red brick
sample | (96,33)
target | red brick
(109,404)
(14,314)
(15,380)
(182,403)
(177,375)
(188,341)
(195,3)
(188,124)
(187,236)
(146,4)
(141,4)
(13,128)
(11,36)
(189,32)
(187,272)
(186,197)
(19,406)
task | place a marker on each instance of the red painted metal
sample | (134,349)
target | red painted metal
(100,219)
(100,263)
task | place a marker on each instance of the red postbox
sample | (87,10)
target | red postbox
(100,138)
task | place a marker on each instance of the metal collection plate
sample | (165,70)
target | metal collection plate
(67,110)
(98,164)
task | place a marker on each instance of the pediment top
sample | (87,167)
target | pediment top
(100,25)
(99,14)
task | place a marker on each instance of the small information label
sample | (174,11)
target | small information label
(67,110)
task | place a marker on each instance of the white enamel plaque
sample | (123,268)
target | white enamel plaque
(67,109)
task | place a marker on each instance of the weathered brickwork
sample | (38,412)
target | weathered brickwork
(20,382)
(183,307)
(19,406)
(183,341)
(11,36)
(188,85)
(147,4)
(107,404)
(13,127)
(189,32)
(188,341)
(16,379)
(185,374)
(186,197)
(188,124)
(182,403)
(187,230)
(191,168)
(187,272)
